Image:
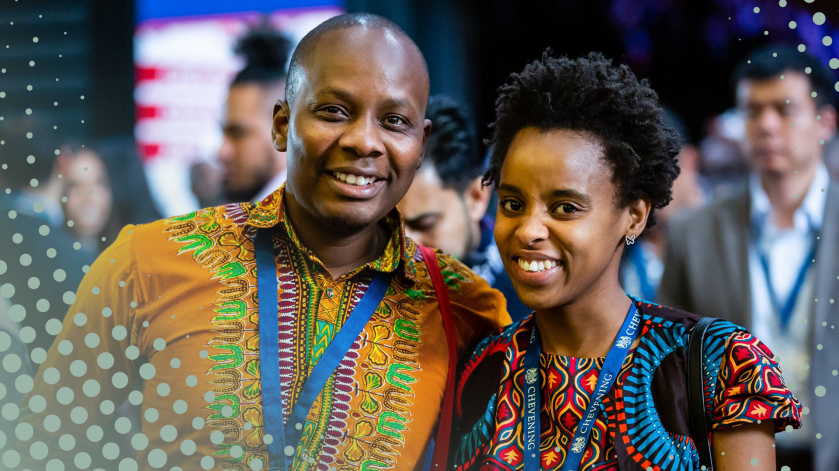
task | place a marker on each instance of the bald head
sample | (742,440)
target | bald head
(307,49)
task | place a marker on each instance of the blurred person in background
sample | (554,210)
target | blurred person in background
(205,184)
(251,168)
(446,206)
(42,260)
(89,196)
(106,189)
(767,257)
(643,261)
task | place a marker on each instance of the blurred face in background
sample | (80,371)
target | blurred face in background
(247,156)
(441,217)
(783,124)
(88,191)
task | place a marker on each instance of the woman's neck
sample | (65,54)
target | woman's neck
(586,327)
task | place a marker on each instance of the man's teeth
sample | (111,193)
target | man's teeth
(536,266)
(354,179)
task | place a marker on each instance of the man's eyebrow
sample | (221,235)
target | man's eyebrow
(339,93)
(422,216)
(397,103)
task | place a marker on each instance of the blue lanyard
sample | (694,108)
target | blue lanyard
(785,309)
(286,436)
(533,394)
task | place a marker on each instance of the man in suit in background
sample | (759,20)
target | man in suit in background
(767,257)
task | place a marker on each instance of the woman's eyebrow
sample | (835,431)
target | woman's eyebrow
(571,194)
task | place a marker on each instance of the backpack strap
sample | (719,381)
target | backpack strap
(696,393)
(444,425)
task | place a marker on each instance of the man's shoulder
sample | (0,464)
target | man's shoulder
(208,223)
(701,220)
(471,297)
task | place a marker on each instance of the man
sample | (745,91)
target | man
(446,205)
(251,168)
(177,302)
(766,258)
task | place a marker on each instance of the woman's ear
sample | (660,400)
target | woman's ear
(638,211)
(279,131)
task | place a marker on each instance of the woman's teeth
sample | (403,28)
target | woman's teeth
(354,179)
(536,266)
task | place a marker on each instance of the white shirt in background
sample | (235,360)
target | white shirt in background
(786,251)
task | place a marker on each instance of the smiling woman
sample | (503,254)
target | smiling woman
(581,160)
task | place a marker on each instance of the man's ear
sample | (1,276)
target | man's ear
(477,199)
(279,131)
(426,131)
(827,121)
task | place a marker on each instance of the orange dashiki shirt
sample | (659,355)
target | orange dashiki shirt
(175,303)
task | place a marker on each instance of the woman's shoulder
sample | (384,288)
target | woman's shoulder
(482,371)
(667,317)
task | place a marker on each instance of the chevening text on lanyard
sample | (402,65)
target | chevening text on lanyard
(533,394)
(786,308)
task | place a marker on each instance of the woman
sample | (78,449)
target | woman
(581,161)
(87,208)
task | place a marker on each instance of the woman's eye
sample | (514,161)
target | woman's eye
(331,109)
(566,208)
(510,205)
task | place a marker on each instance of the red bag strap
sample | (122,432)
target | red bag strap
(444,426)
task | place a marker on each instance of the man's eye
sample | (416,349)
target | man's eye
(395,121)
(511,205)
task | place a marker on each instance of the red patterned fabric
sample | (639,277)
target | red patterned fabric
(644,419)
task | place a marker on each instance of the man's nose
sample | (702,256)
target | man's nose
(362,137)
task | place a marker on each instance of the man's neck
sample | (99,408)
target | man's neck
(786,192)
(587,327)
(341,251)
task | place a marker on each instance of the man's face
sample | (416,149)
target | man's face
(783,127)
(441,217)
(355,129)
(247,156)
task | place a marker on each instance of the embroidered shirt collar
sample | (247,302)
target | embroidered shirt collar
(271,212)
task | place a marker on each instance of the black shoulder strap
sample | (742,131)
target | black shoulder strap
(696,395)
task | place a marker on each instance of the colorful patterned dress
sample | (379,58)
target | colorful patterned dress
(644,421)
(175,302)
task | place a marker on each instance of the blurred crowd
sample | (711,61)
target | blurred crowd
(62,202)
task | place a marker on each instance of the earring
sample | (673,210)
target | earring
(630,239)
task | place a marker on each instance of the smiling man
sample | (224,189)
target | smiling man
(230,313)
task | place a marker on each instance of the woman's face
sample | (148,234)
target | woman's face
(88,194)
(558,228)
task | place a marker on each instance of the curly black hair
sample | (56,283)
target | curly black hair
(452,146)
(592,96)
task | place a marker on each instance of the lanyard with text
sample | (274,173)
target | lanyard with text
(785,309)
(285,437)
(533,394)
